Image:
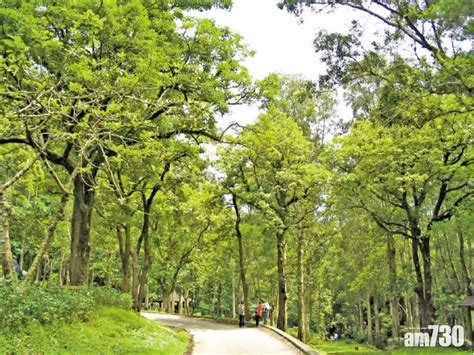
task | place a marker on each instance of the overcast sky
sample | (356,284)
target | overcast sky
(281,42)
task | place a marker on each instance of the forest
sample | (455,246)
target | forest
(121,179)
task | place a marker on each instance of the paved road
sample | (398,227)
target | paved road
(217,338)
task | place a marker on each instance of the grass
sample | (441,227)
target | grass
(351,348)
(110,331)
(347,348)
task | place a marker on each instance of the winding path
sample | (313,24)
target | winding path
(216,338)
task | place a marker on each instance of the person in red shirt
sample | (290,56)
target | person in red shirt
(258,313)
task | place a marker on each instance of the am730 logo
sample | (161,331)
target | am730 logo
(434,335)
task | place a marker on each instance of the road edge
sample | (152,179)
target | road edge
(305,348)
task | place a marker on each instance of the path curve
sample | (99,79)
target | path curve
(216,338)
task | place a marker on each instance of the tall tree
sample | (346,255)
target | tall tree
(94,79)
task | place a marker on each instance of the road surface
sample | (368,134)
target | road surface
(216,338)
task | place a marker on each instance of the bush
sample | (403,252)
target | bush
(360,338)
(47,304)
(380,341)
(106,296)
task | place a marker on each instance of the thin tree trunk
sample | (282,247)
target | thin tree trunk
(243,274)
(376,317)
(409,311)
(135,282)
(451,264)
(61,269)
(302,335)
(6,256)
(282,284)
(420,286)
(233,297)
(427,317)
(361,317)
(369,321)
(48,238)
(125,250)
(392,267)
(5,250)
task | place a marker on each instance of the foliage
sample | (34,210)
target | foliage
(46,304)
(109,331)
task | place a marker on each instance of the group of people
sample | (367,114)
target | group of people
(262,311)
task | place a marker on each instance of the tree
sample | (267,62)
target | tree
(82,81)
(427,182)
(273,171)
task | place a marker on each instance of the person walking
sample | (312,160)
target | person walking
(241,314)
(266,312)
(258,313)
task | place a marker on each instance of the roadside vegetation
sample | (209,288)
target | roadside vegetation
(47,319)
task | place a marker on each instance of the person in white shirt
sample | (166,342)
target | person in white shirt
(266,312)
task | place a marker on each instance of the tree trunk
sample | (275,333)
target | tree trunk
(276,309)
(61,269)
(427,317)
(423,287)
(409,311)
(47,239)
(282,284)
(361,317)
(145,239)
(5,250)
(302,335)
(135,282)
(243,275)
(376,317)
(80,230)
(392,267)
(369,321)
(233,297)
(125,252)
(186,302)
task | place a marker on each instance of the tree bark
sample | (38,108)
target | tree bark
(125,253)
(424,280)
(427,317)
(47,239)
(135,282)
(80,229)
(369,321)
(242,267)
(409,311)
(361,317)
(302,335)
(282,283)
(233,297)
(392,267)
(6,252)
(376,317)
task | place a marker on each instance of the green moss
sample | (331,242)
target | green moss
(110,331)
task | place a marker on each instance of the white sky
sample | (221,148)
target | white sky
(281,42)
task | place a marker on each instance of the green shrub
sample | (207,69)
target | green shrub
(381,341)
(360,338)
(106,296)
(47,304)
